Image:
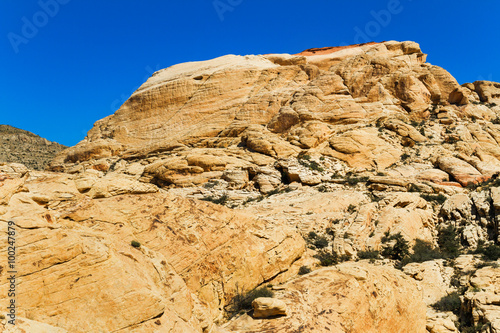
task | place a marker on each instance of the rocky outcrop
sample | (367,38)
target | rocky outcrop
(190,256)
(349,298)
(327,156)
(248,120)
(19,146)
(483,298)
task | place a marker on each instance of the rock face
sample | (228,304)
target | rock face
(348,298)
(369,107)
(77,251)
(19,146)
(484,298)
(323,158)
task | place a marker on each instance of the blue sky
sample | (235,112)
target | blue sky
(67,63)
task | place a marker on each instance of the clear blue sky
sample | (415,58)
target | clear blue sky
(64,67)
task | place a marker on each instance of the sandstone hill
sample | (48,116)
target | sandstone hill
(358,184)
(19,146)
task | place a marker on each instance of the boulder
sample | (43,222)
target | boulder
(265,307)
(488,91)
(462,171)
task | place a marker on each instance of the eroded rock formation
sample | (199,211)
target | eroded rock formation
(357,154)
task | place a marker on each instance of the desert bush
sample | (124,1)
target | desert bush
(405,156)
(489,252)
(313,165)
(135,244)
(422,251)
(448,242)
(306,161)
(450,302)
(493,182)
(304,270)
(395,246)
(327,257)
(368,254)
(473,329)
(439,198)
(320,242)
(243,301)
(351,180)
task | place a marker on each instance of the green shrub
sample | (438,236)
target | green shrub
(336,175)
(345,257)
(244,301)
(135,244)
(368,255)
(305,160)
(312,235)
(355,180)
(405,156)
(395,246)
(422,251)
(448,242)
(304,270)
(450,302)
(491,252)
(473,329)
(313,165)
(439,198)
(320,242)
(273,192)
(327,258)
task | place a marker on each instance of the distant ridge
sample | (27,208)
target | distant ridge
(20,146)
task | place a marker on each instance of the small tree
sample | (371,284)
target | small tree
(422,251)
(396,246)
(448,242)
